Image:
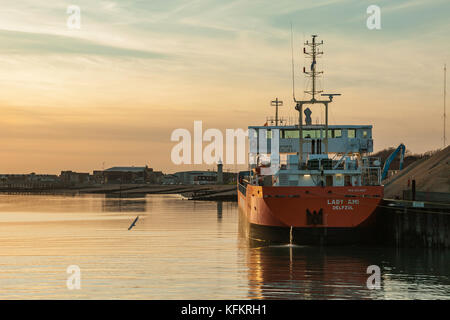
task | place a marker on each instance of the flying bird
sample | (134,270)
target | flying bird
(134,223)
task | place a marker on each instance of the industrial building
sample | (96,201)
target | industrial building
(29,180)
(74,178)
(201,177)
(132,175)
(197,177)
(170,179)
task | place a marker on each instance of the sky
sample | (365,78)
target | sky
(112,92)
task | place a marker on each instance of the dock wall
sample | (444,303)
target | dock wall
(427,196)
(408,226)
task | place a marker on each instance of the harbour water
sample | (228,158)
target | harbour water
(182,249)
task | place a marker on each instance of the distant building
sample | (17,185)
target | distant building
(170,179)
(98,177)
(74,178)
(132,175)
(126,174)
(29,180)
(156,177)
(197,177)
(229,177)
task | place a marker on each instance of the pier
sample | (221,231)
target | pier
(191,192)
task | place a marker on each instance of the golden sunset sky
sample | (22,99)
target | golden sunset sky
(113,91)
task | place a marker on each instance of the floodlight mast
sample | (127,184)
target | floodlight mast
(314,53)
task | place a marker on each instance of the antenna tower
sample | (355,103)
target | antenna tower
(314,53)
(445,93)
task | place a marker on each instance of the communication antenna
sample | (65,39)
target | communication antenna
(292,56)
(276,103)
(330,95)
(313,53)
(445,92)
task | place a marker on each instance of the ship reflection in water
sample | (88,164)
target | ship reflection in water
(307,272)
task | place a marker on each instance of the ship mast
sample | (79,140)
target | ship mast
(445,93)
(276,103)
(313,53)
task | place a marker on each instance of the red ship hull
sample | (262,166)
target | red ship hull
(310,215)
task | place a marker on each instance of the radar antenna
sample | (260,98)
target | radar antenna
(330,95)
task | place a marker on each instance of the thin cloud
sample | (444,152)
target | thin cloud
(26,43)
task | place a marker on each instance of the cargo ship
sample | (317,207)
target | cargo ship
(310,183)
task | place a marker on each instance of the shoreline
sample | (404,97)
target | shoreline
(192,192)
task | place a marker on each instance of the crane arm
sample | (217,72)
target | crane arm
(391,157)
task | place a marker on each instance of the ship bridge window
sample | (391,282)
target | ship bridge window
(261,133)
(351,133)
(311,134)
(308,133)
(291,134)
(335,133)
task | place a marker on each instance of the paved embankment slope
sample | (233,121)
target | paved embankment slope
(431,175)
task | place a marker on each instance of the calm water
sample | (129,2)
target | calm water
(182,249)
